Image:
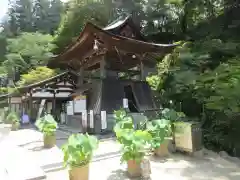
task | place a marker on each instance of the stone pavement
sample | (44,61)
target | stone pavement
(177,167)
(106,161)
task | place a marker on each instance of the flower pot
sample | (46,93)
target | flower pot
(79,173)
(15,126)
(134,168)
(49,141)
(162,151)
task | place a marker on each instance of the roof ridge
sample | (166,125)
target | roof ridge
(120,18)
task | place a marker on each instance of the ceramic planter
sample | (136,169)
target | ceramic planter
(79,173)
(134,168)
(49,141)
(162,151)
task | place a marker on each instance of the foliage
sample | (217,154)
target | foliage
(134,142)
(32,16)
(123,121)
(171,115)
(36,75)
(28,51)
(76,15)
(78,151)
(12,118)
(47,125)
(24,37)
(160,129)
(202,80)
(172,16)
(4,90)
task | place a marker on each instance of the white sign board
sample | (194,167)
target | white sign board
(104,119)
(80,104)
(70,108)
(125,103)
(91,119)
(15,100)
(63,118)
(84,118)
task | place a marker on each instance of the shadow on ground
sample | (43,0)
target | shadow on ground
(118,175)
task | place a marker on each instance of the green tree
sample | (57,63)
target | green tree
(36,75)
(28,51)
(33,15)
(46,15)
(77,13)
(22,10)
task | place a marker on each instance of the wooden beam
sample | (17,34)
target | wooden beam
(51,90)
(62,86)
(95,60)
(124,70)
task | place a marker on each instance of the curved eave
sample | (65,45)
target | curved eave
(40,83)
(117,24)
(85,41)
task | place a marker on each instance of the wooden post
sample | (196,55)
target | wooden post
(9,103)
(80,77)
(21,106)
(103,67)
(54,104)
(30,105)
(142,74)
(142,77)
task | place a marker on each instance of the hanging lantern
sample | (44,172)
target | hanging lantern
(95,46)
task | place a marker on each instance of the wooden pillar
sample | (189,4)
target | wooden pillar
(142,76)
(30,105)
(9,103)
(54,104)
(141,67)
(21,106)
(103,71)
(80,77)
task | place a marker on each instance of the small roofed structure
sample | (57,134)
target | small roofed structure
(48,95)
(112,64)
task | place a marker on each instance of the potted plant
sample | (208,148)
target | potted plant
(135,143)
(173,116)
(48,126)
(160,130)
(13,119)
(78,152)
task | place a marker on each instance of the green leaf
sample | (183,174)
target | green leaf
(47,124)
(79,149)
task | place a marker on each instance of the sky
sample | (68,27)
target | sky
(4,7)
